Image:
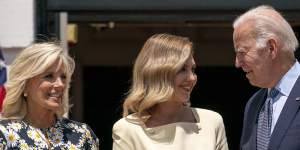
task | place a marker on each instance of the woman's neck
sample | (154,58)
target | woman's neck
(40,119)
(169,112)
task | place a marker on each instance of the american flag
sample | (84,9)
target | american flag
(3,77)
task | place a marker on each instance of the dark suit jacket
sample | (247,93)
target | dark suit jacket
(286,133)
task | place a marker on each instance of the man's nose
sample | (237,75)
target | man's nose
(238,62)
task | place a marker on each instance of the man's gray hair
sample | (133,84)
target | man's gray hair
(269,23)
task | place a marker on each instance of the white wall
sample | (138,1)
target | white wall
(16,26)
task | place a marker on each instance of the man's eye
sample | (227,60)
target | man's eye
(242,53)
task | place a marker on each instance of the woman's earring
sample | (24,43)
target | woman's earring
(25,94)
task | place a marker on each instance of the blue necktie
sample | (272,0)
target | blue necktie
(265,121)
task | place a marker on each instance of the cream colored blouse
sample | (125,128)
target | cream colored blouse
(207,134)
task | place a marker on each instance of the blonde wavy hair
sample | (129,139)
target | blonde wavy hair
(155,68)
(32,61)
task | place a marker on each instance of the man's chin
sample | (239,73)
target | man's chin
(253,83)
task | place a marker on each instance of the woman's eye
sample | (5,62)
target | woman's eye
(194,69)
(63,77)
(183,69)
(48,76)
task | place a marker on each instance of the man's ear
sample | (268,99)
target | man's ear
(272,46)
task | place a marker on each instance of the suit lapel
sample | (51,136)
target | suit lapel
(286,117)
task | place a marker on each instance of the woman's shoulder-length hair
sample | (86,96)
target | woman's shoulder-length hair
(32,61)
(155,68)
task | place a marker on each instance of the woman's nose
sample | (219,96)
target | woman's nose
(59,82)
(191,76)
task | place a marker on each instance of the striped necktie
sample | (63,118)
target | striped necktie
(265,121)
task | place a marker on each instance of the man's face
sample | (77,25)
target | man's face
(255,61)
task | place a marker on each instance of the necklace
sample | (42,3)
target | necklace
(45,137)
(41,133)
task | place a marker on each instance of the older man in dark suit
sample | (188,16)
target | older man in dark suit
(264,44)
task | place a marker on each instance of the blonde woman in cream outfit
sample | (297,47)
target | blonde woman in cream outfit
(156,112)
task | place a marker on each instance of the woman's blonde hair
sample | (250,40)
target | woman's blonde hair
(155,68)
(32,61)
